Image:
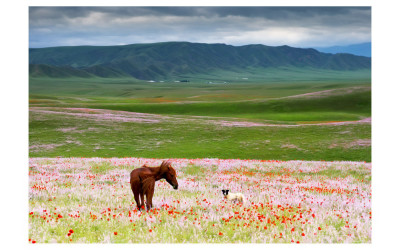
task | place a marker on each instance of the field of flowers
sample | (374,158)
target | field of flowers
(88,200)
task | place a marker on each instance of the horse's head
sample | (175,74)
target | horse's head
(169,174)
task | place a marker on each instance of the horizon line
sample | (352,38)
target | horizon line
(114,45)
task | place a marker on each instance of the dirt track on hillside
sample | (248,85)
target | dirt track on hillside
(254,124)
(135,117)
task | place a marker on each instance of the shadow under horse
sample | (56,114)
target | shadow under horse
(143,181)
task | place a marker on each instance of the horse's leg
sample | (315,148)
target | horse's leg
(149,199)
(141,199)
(148,189)
(136,195)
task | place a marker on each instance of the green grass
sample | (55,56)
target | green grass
(336,173)
(194,170)
(102,168)
(193,138)
(344,103)
(268,83)
(331,108)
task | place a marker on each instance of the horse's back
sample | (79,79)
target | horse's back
(135,174)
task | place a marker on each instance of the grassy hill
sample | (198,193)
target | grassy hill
(172,59)
(332,107)
(203,101)
(186,120)
(43,70)
(203,130)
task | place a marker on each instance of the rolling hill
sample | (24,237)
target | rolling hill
(171,59)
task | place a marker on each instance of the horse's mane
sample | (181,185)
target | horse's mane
(165,163)
(149,179)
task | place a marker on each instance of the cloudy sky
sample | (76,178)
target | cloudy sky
(293,26)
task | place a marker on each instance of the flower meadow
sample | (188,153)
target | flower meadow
(89,200)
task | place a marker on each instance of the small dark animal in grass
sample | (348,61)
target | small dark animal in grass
(234,197)
(143,180)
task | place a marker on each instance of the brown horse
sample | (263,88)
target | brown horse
(143,180)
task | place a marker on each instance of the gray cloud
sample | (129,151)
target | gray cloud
(295,26)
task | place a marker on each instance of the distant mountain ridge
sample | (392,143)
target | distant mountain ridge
(168,59)
(360,49)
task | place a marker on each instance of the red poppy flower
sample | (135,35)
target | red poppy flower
(220,233)
(150,230)
(319,228)
(115,233)
(71,231)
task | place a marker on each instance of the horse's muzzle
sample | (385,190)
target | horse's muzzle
(176,187)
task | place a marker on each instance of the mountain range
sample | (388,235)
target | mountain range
(170,59)
(360,49)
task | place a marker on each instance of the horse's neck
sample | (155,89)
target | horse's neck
(156,173)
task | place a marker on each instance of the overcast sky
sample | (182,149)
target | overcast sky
(293,26)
